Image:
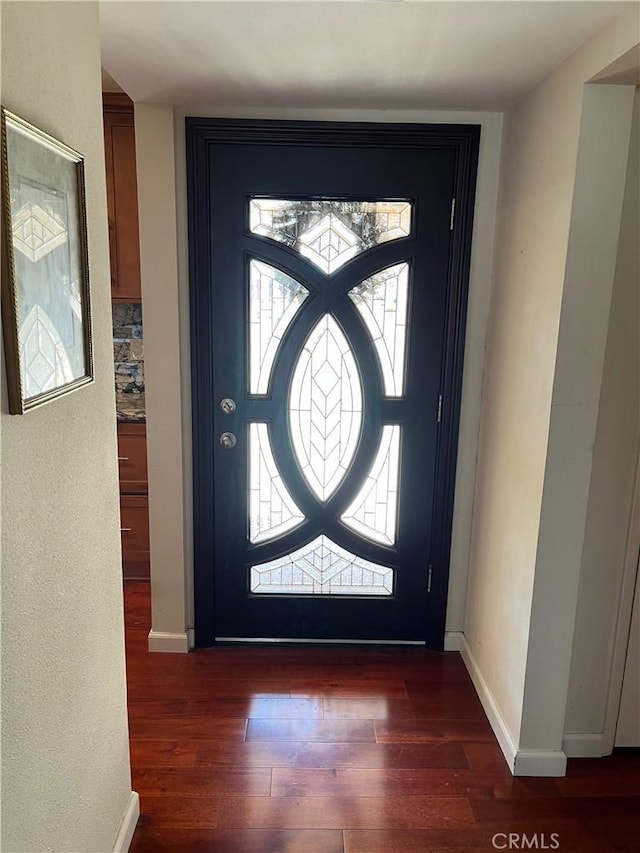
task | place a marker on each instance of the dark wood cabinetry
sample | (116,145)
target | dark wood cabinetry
(122,197)
(134,526)
(124,247)
(132,458)
(134,511)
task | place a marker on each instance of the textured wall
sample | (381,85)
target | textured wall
(540,150)
(586,299)
(614,453)
(65,762)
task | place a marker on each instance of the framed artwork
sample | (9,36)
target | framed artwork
(46,315)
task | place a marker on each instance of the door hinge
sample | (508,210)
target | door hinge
(453,213)
(429,578)
(439,408)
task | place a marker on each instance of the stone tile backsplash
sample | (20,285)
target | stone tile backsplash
(128,357)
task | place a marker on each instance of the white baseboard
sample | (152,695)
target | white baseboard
(500,729)
(540,762)
(453,641)
(161,641)
(578,745)
(127,824)
(521,762)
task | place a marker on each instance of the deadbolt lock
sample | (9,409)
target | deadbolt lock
(228,440)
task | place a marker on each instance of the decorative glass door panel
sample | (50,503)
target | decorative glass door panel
(325,407)
(382,303)
(272,510)
(321,568)
(274,300)
(326,275)
(324,401)
(330,232)
(374,512)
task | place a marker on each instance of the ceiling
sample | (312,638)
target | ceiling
(323,54)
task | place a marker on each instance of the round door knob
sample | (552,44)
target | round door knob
(228,440)
(228,405)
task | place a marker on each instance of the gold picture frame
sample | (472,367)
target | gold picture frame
(46,312)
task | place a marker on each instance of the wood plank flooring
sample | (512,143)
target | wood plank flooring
(343,750)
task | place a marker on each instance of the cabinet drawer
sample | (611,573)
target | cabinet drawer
(134,529)
(132,458)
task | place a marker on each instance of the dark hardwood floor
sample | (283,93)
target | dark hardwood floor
(273,749)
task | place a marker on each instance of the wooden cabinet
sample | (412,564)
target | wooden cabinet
(132,458)
(124,248)
(134,527)
(134,509)
(122,196)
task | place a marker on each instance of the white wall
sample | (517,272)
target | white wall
(65,759)
(167,397)
(610,491)
(588,284)
(518,657)
(172,467)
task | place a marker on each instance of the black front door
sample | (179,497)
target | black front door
(321,290)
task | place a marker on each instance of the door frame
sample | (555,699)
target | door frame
(630,578)
(201,135)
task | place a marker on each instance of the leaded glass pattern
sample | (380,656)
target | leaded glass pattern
(374,511)
(328,232)
(45,359)
(321,568)
(329,244)
(272,510)
(274,300)
(381,301)
(325,407)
